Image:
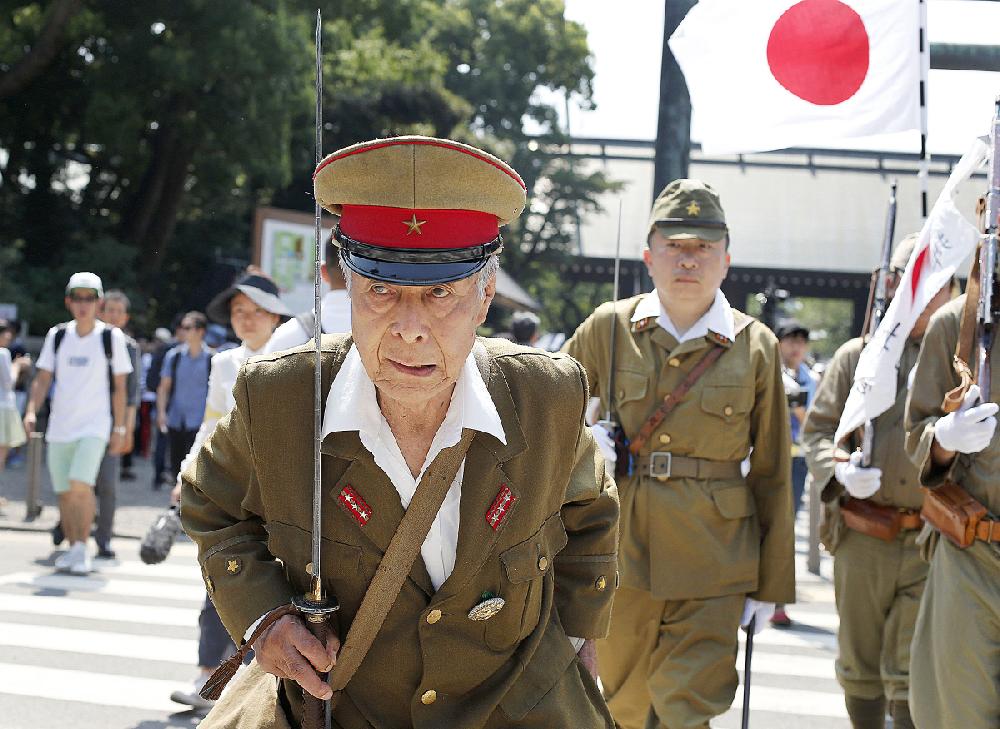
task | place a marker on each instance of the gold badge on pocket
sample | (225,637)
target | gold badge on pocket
(487,608)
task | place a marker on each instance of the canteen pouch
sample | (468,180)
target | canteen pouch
(953,512)
(867,517)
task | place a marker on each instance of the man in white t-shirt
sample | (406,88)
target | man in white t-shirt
(336,309)
(90,363)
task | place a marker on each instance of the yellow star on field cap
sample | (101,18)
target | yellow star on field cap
(693,209)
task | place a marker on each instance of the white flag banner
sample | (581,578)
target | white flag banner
(946,240)
(773,74)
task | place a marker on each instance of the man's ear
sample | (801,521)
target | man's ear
(489,292)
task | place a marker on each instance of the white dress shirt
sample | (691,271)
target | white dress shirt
(718,318)
(351,405)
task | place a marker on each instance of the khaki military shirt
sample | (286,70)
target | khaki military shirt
(687,538)
(977,472)
(246,502)
(900,483)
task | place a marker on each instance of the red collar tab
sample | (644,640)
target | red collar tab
(408,228)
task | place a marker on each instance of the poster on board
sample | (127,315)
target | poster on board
(283,249)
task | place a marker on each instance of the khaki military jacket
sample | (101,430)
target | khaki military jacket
(688,538)
(977,472)
(247,504)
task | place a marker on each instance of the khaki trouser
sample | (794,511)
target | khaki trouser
(955,674)
(670,664)
(878,586)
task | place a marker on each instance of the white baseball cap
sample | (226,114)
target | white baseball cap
(85,280)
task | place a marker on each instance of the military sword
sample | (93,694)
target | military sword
(988,262)
(314,605)
(614,305)
(879,304)
(747,657)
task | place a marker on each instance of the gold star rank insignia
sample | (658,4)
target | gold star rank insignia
(233,566)
(693,209)
(414,225)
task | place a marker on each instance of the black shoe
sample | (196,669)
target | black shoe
(57,534)
(127,474)
(106,553)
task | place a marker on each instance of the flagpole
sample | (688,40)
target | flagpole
(923,172)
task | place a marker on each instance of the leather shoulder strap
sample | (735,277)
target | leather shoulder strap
(671,400)
(398,560)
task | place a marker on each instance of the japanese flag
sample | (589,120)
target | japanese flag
(772,74)
(946,239)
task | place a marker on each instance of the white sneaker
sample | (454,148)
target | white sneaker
(64,560)
(82,564)
(191,697)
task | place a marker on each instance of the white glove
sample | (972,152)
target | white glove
(605,441)
(970,428)
(762,610)
(860,482)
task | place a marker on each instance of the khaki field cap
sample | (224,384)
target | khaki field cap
(418,210)
(901,255)
(688,209)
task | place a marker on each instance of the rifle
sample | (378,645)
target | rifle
(880,301)
(987,263)
(625,461)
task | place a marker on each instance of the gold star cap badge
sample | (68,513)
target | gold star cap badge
(413,225)
(693,209)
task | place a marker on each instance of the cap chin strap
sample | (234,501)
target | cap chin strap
(418,255)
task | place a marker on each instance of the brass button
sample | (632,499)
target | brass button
(433,616)
(621,394)
(601,583)
(543,563)
(429,697)
(665,439)
(674,362)
(728,410)
(309,568)
(661,478)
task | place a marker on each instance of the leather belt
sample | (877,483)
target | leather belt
(663,465)
(910,519)
(988,530)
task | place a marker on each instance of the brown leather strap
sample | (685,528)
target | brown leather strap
(664,465)
(910,519)
(962,361)
(988,530)
(218,680)
(671,400)
(398,560)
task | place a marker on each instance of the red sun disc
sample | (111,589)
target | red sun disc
(819,51)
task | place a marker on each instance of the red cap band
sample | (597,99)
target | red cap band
(407,228)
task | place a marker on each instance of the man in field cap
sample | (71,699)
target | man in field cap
(706,546)
(513,578)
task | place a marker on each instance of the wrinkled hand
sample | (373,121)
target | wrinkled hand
(602,431)
(288,650)
(588,657)
(860,482)
(970,428)
(762,610)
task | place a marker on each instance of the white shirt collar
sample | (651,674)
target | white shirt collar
(351,404)
(719,318)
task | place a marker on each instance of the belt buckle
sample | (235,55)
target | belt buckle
(660,464)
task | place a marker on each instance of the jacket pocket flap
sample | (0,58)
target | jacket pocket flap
(726,401)
(293,545)
(734,502)
(544,670)
(533,557)
(630,386)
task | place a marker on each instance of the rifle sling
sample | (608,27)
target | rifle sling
(966,344)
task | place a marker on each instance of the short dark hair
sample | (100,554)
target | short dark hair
(199,320)
(523,326)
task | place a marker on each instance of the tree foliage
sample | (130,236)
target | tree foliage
(137,138)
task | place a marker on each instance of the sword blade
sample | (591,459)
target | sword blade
(317,505)
(747,656)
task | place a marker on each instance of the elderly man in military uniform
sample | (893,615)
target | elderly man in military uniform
(704,548)
(955,654)
(494,622)
(870,526)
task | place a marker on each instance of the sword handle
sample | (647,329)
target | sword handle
(314,710)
